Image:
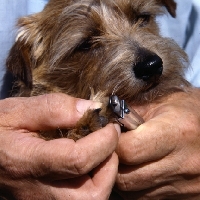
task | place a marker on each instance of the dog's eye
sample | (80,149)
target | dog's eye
(143,19)
(85,45)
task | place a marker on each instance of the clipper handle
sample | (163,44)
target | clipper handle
(126,117)
(132,120)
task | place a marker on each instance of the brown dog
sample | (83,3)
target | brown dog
(91,49)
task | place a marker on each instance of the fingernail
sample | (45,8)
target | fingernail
(83,105)
(118,129)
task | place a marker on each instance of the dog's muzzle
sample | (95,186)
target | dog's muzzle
(150,68)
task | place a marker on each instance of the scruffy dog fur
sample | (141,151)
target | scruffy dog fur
(94,48)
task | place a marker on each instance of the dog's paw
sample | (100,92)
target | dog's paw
(91,121)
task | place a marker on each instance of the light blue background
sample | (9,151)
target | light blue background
(10,11)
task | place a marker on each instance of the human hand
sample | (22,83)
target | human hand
(32,168)
(161,158)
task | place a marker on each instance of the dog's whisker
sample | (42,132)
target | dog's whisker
(60,132)
(115,89)
(94,49)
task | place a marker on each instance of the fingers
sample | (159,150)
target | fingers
(180,189)
(148,175)
(87,153)
(25,157)
(43,112)
(65,158)
(105,174)
(162,154)
(62,158)
(148,142)
(164,131)
(98,186)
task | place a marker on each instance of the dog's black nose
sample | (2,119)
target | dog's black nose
(150,67)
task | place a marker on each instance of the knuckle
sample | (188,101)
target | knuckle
(80,161)
(129,158)
(122,184)
(136,181)
(125,154)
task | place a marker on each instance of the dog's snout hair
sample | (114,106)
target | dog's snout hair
(73,46)
(92,49)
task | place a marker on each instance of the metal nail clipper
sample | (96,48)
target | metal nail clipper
(126,117)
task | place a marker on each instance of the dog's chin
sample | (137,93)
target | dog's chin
(151,84)
(142,91)
(145,94)
(150,87)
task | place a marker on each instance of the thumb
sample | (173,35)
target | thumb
(43,112)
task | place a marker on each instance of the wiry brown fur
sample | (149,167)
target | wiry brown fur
(73,46)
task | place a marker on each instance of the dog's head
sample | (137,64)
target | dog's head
(112,46)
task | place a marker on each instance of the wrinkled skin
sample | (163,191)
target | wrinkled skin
(161,159)
(32,168)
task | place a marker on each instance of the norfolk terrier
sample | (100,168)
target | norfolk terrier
(93,49)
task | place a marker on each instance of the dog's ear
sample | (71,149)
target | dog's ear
(25,52)
(19,63)
(170,5)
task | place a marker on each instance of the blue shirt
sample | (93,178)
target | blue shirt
(185,30)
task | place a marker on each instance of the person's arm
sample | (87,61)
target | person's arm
(161,159)
(32,168)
